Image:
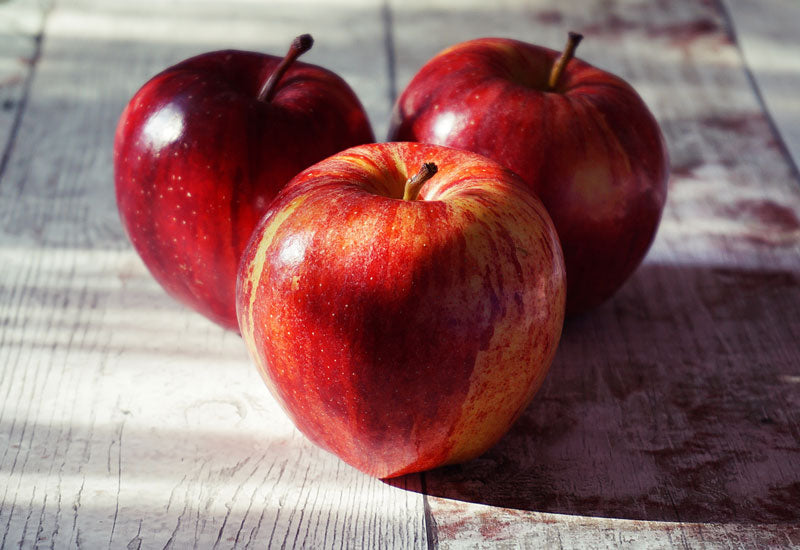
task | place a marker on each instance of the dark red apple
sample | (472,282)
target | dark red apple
(580,137)
(403,323)
(203,147)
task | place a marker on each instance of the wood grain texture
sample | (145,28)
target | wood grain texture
(21,24)
(480,526)
(127,421)
(767,34)
(675,405)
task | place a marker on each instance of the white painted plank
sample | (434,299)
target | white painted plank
(492,527)
(126,420)
(21,24)
(768,34)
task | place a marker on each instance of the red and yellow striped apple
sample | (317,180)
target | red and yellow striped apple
(581,138)
(403,323)
(204,146)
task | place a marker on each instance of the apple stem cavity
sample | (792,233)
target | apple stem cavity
(300,45)
(573,40)
(414,184)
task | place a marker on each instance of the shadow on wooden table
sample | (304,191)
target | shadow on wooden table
(676,401)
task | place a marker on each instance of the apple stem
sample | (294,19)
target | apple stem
(300,45)
(573,40)
(414,184)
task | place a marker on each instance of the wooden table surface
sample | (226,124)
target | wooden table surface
(671,415)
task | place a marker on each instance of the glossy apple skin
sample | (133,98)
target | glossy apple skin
(198,158)
(591,149)
(403,335)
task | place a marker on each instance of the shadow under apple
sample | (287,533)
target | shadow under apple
(675,401)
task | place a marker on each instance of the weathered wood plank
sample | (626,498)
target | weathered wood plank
(492,527)
(767,34)
(125,419)
(21,23)
(675,405)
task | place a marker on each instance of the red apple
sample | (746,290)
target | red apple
(403,328)
(202,149)
(581,138)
